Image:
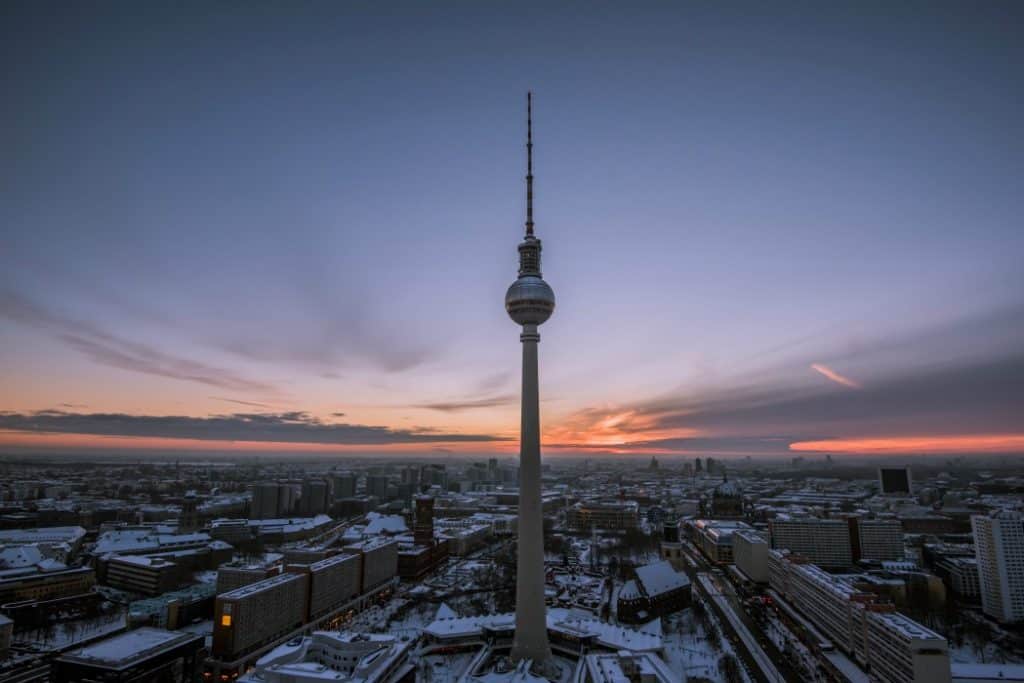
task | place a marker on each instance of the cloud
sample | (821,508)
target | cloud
(976,443)
(834,376)
(753,445)
(963,377)
(251,404)
(337,414)
(286,427)
(976,397)
(469,404)
(114,351)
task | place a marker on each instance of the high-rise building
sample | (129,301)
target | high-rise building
(344,485)
(258,613)
(411,475)
(189,519)
(377,485)
(315,498)
(876,539)
(271,500)
(423,531)
(999,550)
(895,480)
(530,302)
(825,542)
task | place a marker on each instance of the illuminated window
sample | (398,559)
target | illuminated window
(225,620)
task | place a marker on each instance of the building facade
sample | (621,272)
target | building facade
(876,539)
(892,647)
(999,551)
(608,515)
(824,542)
(750,554)
(254,615)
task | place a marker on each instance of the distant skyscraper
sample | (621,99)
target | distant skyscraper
(895,480)
(999,550)
(423,531)
(270,500)
(315,497)
(530,302)
(377,485)
(189,520)
(344,485)
(411,475)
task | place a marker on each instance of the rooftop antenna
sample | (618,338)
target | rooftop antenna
(529,163)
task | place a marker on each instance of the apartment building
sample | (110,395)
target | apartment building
(824,542)
(999,551)
(902,650)
(961,574)
(254,615)
(892,647)
(876,539)
(332,582)
(379,561)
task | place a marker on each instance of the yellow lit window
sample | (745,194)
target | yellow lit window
(225,620)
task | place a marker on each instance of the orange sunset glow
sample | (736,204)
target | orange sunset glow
(974,443)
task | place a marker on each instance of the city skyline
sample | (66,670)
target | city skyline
(286,231)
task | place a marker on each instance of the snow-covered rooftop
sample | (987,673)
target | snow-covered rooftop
(660,577)
(130,646)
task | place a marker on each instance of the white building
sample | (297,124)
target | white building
(999,550)
(750,554)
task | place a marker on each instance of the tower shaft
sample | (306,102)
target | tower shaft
(531,636)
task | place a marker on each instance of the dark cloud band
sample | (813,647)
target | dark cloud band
(288,427)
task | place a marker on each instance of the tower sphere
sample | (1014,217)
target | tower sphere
(530,300)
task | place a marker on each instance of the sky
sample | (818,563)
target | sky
(273,227)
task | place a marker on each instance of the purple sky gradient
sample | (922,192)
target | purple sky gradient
(314,209)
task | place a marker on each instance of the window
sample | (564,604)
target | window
(225,620)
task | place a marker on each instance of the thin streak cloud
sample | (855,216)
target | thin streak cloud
(470,404)
(114,351)
(835,376)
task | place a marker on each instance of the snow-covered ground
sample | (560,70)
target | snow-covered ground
(688,652)
(62,636)
(984,653)
(442,668)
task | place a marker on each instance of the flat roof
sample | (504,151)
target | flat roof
(259,586)
(126,649)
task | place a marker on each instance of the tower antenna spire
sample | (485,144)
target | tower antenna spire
(529,163)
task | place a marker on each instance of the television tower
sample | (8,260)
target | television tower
(530,302)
